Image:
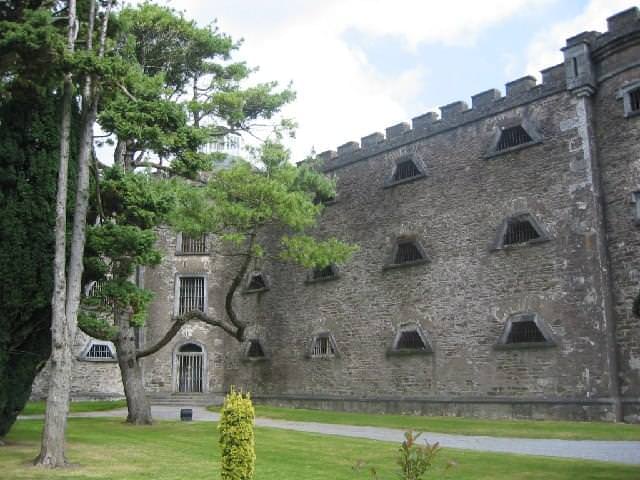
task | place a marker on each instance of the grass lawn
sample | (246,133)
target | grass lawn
(37,408)
(463,426)
(104,448)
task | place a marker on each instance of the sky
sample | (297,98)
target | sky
(359,66)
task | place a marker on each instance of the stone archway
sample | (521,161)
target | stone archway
(190,368)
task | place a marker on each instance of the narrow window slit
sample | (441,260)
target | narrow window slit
(634,100)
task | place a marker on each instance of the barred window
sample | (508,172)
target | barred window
(512,137)
(191,294)
(100,351)
(189,244)
(409,339)
(406,169)
(519,231)
(323,347)
(407,252)
(525,330)
(522,228)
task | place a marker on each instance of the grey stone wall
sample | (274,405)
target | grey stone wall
(575,179)
(619,152)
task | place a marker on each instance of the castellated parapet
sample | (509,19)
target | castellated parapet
(497,269)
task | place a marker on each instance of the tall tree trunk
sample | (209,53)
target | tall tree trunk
(131,370)
(55,422)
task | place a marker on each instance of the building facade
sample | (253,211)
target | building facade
(498,265)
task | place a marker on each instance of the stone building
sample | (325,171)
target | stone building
(499,260)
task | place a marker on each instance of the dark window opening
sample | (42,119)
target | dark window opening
(525,331)
(519,231)
(255,350)
(324,272)
(410,340)
(193,244)
(406,169)
(191,294)
(191,347)
(322,347)
(407,252)
(257,283)
(99,351)
(634,100)
(512,137)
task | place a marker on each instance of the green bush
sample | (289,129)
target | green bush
(415,459)
(237,443)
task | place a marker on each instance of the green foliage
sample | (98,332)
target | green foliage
(97,327)
(247,198)
(236,437)
(28,173)
(414,459)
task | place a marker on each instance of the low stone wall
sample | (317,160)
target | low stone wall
(578,410)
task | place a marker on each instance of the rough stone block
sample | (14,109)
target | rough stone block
(348,147)
(521,85)
(485,98)
(424,120)
(397,130)
(371,140)
(452,110)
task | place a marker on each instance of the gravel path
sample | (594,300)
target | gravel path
(622,452)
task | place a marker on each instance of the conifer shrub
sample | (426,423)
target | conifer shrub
(237,441)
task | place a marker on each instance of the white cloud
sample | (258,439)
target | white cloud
(341,96)
(544,50)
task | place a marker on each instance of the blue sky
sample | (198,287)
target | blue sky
(359,66)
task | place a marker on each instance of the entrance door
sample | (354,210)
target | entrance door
(190,368)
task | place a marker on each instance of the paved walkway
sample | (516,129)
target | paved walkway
(622,452)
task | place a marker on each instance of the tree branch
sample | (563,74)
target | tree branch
(228,301)
(172,332)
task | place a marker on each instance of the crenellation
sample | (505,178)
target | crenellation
(397,130)
(328,155)
(347,148)
(425,120)
(452,111)
(553,75)
(372,139)
(624,21)
(483,99)
(584,37)
(520,85)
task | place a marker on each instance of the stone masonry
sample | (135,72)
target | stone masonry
(576,179)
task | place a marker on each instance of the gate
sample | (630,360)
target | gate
(190,368)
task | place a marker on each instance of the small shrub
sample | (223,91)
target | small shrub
(237,441)
(415,459)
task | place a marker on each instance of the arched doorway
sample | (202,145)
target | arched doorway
(190,368)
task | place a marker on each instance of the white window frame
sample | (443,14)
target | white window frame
(85,352)
(178,280)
